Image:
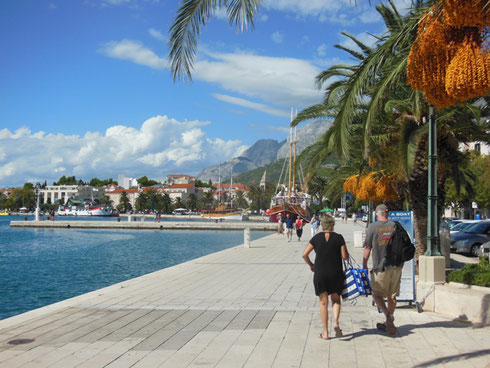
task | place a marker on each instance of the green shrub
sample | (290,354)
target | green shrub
(472,274)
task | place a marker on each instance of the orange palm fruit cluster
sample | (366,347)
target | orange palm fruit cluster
(468,75)
(465,13)
(367,187)
(447,61)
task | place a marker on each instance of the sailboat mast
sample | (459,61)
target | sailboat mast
(290,156)
(294,160)
(219,185)
(231,185)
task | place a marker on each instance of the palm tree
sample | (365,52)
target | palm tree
(186,28)
(192,201)
(124,201)
(179,203)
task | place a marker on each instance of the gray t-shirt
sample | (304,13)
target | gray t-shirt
(377,236)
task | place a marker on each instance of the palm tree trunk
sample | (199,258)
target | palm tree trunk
(417,190)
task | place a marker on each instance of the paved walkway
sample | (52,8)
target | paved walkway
(240,307)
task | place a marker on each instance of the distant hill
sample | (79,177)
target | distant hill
(262,153)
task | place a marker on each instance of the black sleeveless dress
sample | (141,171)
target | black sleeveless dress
(329,275)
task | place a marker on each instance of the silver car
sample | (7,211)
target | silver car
(470,239)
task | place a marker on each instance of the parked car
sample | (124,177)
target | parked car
(470,239)
(461,226)
(484,250)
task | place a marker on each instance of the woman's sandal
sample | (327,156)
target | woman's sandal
(338,332)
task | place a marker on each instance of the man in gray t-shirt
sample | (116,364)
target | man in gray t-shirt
(385,282)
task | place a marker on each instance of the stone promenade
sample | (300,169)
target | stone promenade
(242,307)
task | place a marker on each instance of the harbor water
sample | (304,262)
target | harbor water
(39,267)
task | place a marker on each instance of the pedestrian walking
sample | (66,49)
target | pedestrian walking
(289,227)
(385,280)
(298,225)
(329,277)
(280,229)
(314,222)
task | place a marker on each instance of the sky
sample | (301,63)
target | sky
(86,89)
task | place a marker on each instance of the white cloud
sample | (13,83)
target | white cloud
(370,16)
(116,2)
(280,81)
(155,33)
(310,7)
(158,147)
(251,105)
(264,18)
(322,50)
(135,52)
(365,38)
(277,37)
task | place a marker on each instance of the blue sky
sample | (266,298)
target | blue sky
(85,87)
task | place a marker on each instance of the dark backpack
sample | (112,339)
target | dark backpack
(400,248)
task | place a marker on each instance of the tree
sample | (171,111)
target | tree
(207,199)
(192,201)
(21,198)
(145,182)
(124,203)
(179,203)
(95,182)
(103,199)
(241,202)
(3,201)
(70,180)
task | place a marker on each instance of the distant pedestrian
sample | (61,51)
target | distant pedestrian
(354,218)
(159,216)
(280,228)
(289,227)
(299,227)
(328,278)
(314,222)
(385,280)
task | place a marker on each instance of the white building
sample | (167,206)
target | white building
(180,179)
(481,147)
(58,193)
(126,182)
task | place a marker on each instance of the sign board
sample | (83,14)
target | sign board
(407,285)
(474,205)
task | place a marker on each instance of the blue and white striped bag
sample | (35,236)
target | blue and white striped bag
(354,285)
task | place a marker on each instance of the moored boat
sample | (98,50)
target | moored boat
(289,200)
(85,211)
(4,213)
(222,213)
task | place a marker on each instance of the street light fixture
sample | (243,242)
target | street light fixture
(37,192)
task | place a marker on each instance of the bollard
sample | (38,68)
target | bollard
(246,237)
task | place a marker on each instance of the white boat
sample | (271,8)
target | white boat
(84,211)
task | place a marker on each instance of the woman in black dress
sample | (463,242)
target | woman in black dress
(328,276)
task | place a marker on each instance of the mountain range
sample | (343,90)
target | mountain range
(264,152)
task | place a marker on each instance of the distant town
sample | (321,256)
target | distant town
(128,194)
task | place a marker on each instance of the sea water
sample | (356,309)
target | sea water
(43,266)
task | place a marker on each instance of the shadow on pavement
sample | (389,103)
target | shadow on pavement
(407,329)
(452,358)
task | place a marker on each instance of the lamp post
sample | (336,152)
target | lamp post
(37,191)
(432,213)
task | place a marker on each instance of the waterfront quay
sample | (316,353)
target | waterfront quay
(240,307)
(149,225)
